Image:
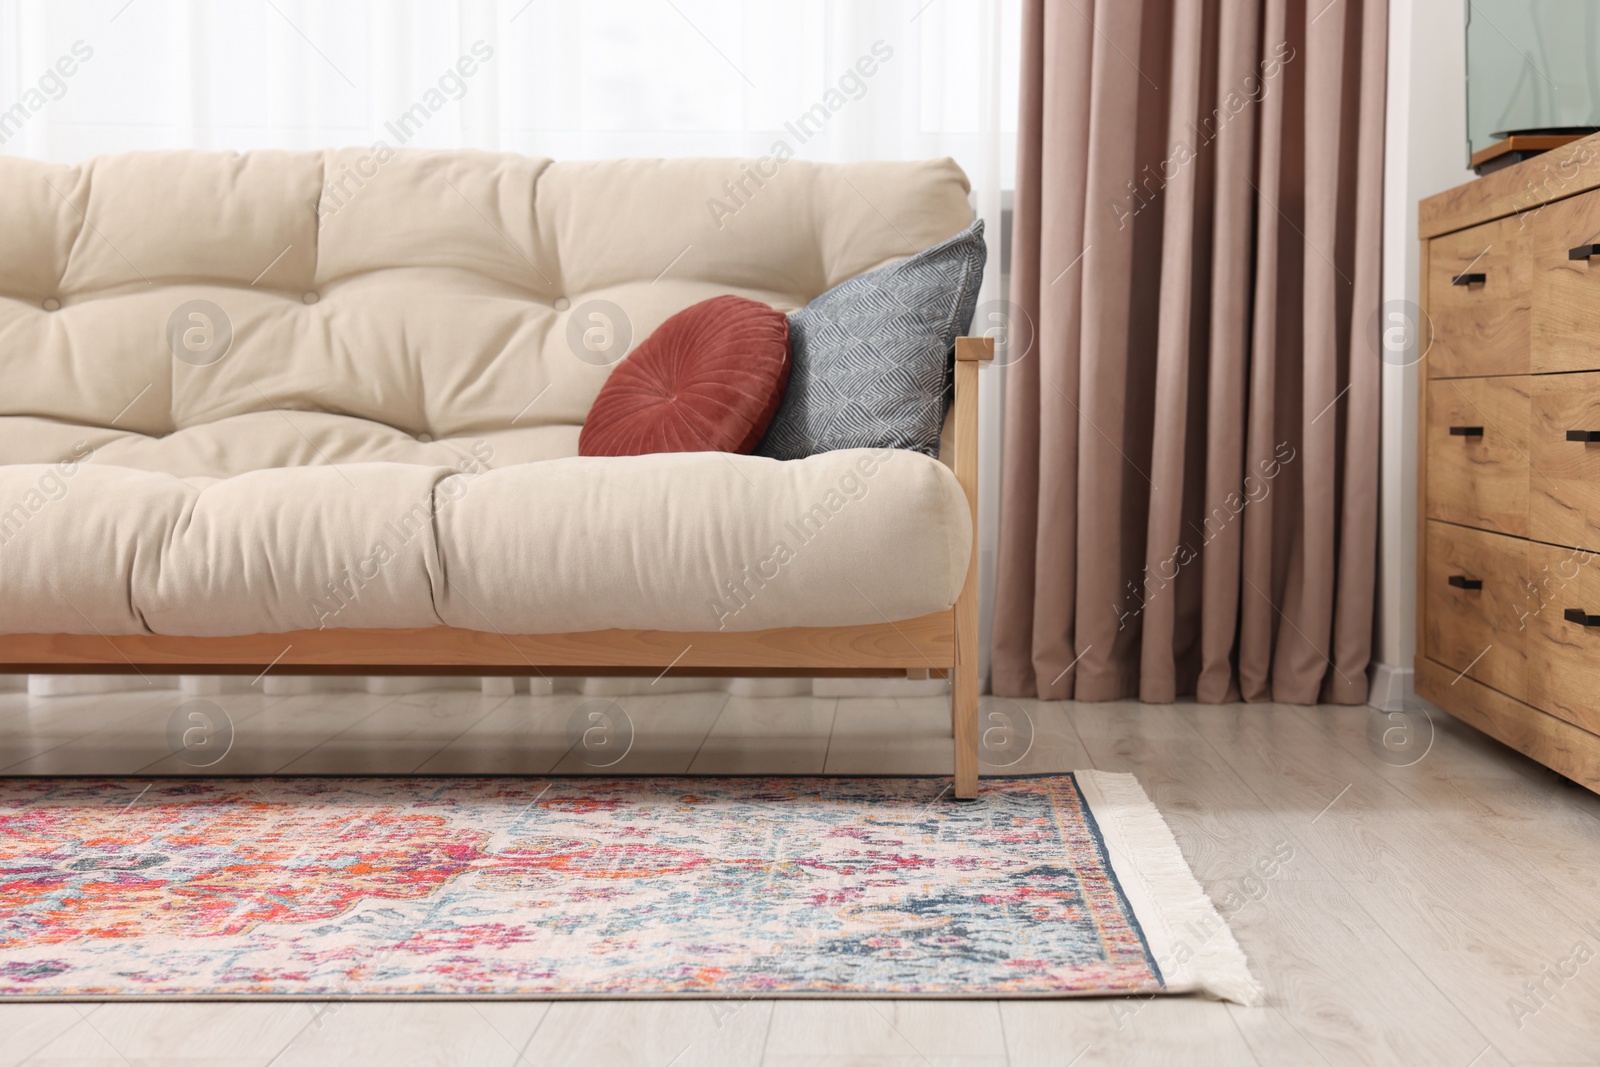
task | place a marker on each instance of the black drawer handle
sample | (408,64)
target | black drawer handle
(1461,581)
(1583,252)
(1466,431)
(1588,437)
(1581,617)
(1469,279)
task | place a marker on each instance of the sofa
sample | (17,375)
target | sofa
(318,412)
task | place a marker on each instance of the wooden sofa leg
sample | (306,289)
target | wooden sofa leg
(964,716)
(971,353)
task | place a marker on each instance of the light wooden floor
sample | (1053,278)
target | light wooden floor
(1416,904)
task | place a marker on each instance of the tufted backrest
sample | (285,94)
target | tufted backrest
(204,297)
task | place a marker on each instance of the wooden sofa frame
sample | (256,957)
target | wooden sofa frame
(944,644)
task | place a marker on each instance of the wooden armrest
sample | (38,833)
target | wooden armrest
(974,349)
(971,353)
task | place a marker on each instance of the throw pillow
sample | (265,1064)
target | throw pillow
(709,379)
(872,355)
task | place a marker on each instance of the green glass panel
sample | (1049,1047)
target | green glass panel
(1531,65)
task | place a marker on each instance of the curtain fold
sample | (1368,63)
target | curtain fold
(1189,502)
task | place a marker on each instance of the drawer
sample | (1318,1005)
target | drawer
(1564,478)
(1564,653)
(1566,291)
(1477,601)
(1478,452)
(1480,325)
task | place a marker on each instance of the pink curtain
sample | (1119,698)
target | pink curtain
(1189,502)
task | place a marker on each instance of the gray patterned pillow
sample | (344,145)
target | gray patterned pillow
(872,355)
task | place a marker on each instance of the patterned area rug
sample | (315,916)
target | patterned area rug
(1059,885)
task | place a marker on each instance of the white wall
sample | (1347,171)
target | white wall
(1425,152)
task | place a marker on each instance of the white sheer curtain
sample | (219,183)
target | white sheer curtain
(558,78)
(566,79)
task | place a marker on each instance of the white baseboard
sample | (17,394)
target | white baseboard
(1390,687)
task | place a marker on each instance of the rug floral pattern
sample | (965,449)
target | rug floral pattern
(558,887)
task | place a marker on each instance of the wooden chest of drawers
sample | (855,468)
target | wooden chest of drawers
(1508,602)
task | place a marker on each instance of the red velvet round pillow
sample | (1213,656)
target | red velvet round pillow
(708,380)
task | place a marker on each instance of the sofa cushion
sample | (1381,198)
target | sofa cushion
(675,541)
(872,356)
(394,317)
(418,293)
(708,380)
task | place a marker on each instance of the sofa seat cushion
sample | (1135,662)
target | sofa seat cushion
(683,542)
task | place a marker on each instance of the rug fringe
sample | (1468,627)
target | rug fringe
(1192,944)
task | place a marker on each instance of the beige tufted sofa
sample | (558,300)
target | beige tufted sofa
(320,412)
